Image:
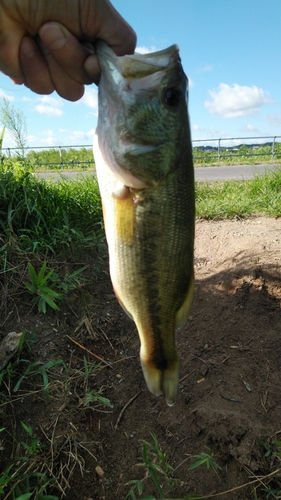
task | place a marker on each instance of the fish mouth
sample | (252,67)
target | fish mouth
(137,65)
(129,143)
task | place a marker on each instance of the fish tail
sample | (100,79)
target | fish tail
(162,381)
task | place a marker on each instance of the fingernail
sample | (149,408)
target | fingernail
(52,36)
(27,47)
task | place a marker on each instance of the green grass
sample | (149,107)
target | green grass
(157,469)
(69,158)
(37,215)
(219,200)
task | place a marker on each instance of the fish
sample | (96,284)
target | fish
(144,165)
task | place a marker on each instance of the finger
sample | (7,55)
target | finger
(34,67)
(9,60)
(65,85)
(92,68)
(66,50)
(109,25)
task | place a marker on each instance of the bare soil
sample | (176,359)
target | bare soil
(229,400)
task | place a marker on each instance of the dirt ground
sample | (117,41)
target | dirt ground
(229,400)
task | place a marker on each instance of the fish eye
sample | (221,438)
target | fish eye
(172,97)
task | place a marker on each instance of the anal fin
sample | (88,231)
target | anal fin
(183,312)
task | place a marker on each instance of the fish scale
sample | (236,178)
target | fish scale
(147,190)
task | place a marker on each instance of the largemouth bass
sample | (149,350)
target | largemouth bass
(144,165)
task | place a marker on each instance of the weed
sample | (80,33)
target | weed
(278,448)
(90,395)
(69,282)
(27,341)
(39,368)
(5,478)
(94,396)
(24,484)
(35,446)
(157,468)
(43,294)
(205,459)
(89,368)
(8,374)
(15,121)
(20,480)
(33,369)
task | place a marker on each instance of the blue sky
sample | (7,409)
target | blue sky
(230,50)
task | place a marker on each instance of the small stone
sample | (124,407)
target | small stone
(99,471)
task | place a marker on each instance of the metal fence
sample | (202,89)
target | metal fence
(61,152)
(214,147)
(218,153)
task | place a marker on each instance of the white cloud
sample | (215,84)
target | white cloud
(52,101)
(50,141)
(78,137)
(31,139)
(49,106)
(90,98)
(48,110)
(48,138)
(145,50)
(7,96)
(236,100)
(249,128)
(208,132)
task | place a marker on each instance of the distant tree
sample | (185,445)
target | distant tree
(14,120)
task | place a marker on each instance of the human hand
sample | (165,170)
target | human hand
(48,44)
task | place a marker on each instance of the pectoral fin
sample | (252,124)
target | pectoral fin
(124,214)
(183,312)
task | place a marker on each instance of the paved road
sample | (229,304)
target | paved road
(237,172)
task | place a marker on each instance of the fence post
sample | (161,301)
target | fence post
(273,146)
(60,153)
(219,150)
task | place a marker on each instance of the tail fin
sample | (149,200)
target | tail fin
(164,382)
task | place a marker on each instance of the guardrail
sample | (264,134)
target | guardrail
(217,152)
